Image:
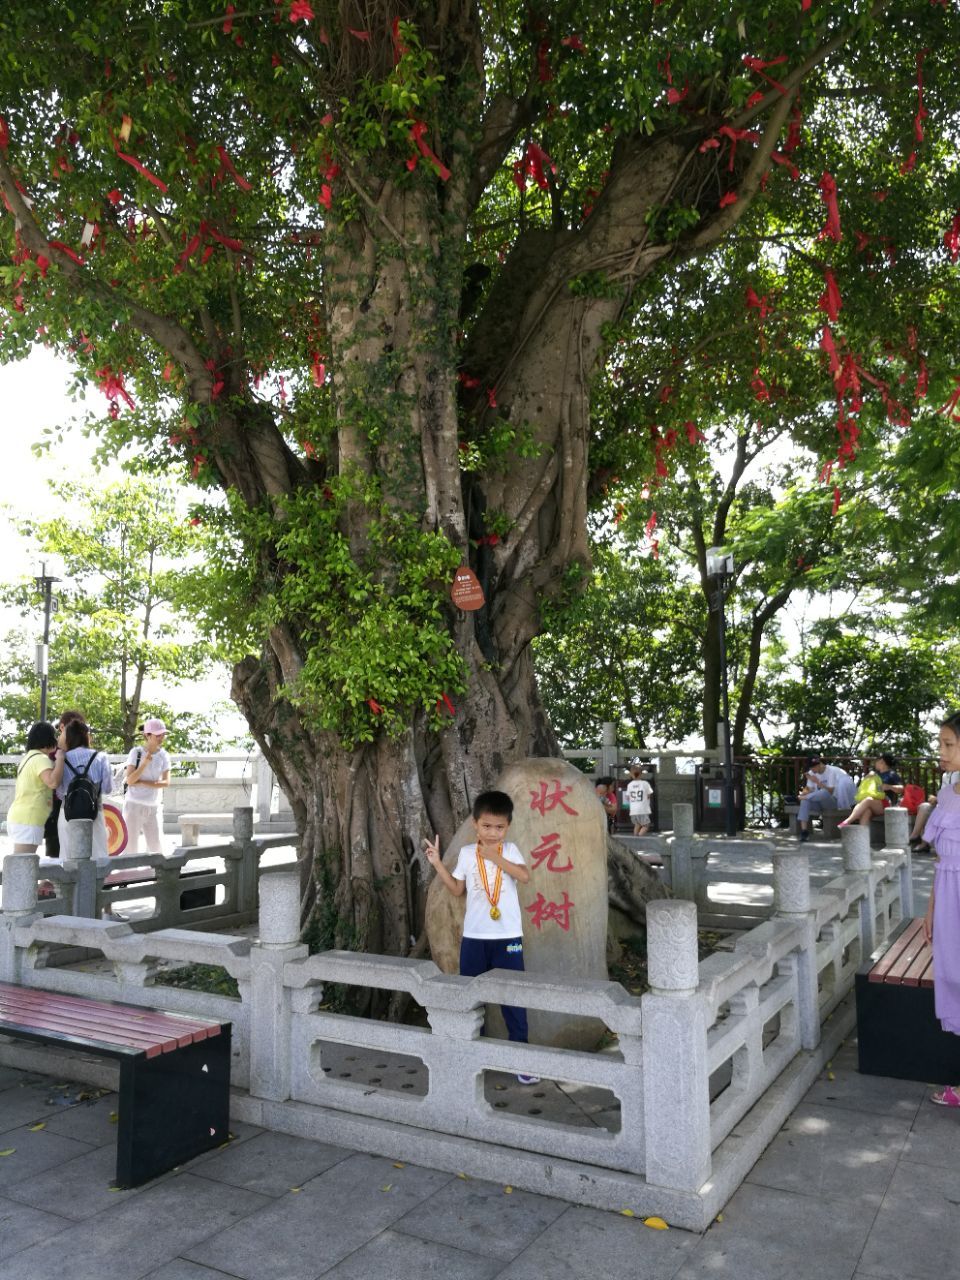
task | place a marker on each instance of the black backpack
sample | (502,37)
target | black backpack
(82,796)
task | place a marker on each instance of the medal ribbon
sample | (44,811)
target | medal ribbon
(492,898)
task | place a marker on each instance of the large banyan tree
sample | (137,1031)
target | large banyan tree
(358,264)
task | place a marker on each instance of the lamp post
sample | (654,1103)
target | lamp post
(720,571)
(44,583)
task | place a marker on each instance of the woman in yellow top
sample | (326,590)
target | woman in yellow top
(37,776)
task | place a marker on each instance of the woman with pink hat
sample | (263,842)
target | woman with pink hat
(148,773)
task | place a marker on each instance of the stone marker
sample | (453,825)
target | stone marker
(561,830)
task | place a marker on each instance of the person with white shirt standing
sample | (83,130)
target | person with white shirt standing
(828,787)
(148,773)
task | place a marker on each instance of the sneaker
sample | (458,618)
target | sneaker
(525,1079)
(804,836)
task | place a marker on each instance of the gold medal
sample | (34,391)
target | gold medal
(493,897)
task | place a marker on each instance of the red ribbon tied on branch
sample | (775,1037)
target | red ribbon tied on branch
(533,164)
(828,191)
(140,168)
(418,129)
(300,11)
(759,66)
(111,384)
(830,300)
(922,111)
(952,238)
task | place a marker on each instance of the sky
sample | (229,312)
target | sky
(35,396)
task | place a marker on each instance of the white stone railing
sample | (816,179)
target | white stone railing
(729,1043)
(80,888)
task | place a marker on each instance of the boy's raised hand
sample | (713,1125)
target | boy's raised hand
(432,849)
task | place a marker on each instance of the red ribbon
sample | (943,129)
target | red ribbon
(836,501)
(443,700)
(735,136)
(227,166)
(922,112)
(416,137)
(952,238)
(300,10)
(694,434)
(375,706)
(65,249)
(920,391)
(140,168)
(729,198)
(831,228)
(533,164)
(828,345)
(755,64)
(830,300)
(4,134)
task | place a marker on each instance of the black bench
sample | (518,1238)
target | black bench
(897,1031)
(174,1072)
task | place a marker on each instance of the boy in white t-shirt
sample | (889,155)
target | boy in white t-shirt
(638,794)
(148,773)
(489,872)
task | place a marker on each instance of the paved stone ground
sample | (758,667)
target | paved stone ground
(862,1183)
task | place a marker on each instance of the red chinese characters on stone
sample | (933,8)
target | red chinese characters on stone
(546,853)
(542,911)
(550,796)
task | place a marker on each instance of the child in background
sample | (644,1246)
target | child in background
(489,871)
(606,789)
(148,774)
(639,792)
(942,921)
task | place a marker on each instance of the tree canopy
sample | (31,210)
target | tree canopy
(414,283)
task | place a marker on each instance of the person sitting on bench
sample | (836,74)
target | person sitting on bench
(891,784)
(828,787)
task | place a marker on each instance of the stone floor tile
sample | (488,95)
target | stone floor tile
(878,1095)
(28,1103)
(76,1188)
(21,1225)
(833,1153)
(305,1233)
(181,1269)
(776,1235)
(270,1163)
(394,1256)
(11,1076)
(33,1152)
(88,1121)
(481,1217)
(124,1243)
(934,1138)
(917,1231)
(602,1246)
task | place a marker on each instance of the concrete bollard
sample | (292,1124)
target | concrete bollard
(896,835)
(676,1107)
(858,860)
(20,872)
(19,891)
(791,901)
(270,1006)
(896,828)
(79,854)
(242,824)
(856,848)
(681,847)
(280,909)
(683,820)
(791,883)
(673,964)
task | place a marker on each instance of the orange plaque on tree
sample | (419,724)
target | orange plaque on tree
(466,592)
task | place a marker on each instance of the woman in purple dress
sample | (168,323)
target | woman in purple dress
(942,921)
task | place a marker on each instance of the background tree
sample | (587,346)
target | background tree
(126,552)
(370,259)
(625,650)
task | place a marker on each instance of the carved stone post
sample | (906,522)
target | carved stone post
(675,1071)
(858,860)
(270,1011)
(19,901)
(791,901)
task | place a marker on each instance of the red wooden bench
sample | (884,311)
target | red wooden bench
(174,1071)
(897,1031)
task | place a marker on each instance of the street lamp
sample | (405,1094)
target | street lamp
(45,583)
(720,571)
